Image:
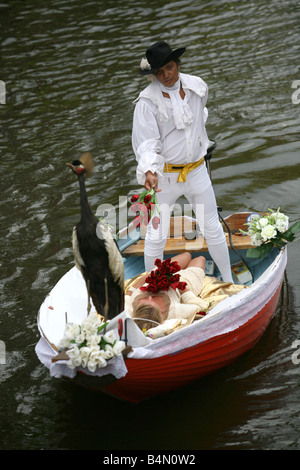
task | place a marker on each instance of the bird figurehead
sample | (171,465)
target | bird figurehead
(85,164)
(96,252)
(76,166)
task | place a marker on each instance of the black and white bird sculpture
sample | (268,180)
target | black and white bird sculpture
(96,252)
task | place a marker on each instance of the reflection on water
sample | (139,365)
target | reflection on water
(70,70)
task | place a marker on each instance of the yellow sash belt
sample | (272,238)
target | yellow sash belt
(183,170)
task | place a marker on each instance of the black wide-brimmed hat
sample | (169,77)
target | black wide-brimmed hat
(157,55)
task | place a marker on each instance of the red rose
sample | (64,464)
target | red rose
(154,288)
(163,270)
(147,198)
(163,283)
(134,198)
(175,278)
(173,268)
(181,285)
(153,275)
(163,277)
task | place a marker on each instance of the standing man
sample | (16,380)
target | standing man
(169,140)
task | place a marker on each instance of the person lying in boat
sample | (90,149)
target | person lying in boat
(173,303)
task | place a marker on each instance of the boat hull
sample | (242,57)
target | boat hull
(150,377)
(230,329)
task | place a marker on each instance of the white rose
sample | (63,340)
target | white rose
(281,225)
(74,357)
(282,222)
(256,239)
(108,352)
(263,222)
(87,331)
(109,337)
(92,365)
(268,232)
(96,360)
(71,331)
(80,338)
(91,323)
(118,347)
(93,340)
(88,327)
(85,354)
(280,215)
(64,343)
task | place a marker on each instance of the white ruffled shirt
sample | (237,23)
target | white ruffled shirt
(170,130)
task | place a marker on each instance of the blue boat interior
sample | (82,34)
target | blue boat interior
(134,265)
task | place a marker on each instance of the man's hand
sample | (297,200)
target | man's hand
(151,181)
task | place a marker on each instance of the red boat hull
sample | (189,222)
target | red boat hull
(147,378)
(230,329)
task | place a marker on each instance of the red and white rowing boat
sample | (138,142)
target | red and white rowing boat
(156,366)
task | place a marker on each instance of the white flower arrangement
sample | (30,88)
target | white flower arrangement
(267,231)
(87,347)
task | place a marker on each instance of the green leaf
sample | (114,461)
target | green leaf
(101,327)
(259,251)
(142,195)
(280,243)
(102,343)
(289,235)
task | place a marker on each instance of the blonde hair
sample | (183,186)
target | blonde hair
(147,316)
(144,295)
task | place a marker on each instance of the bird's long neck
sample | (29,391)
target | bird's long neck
(84,204)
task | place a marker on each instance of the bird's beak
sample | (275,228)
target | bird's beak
(71,166)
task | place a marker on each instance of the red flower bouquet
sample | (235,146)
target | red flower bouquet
(164,277)
(144,206)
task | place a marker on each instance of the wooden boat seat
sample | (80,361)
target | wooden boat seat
(178,243)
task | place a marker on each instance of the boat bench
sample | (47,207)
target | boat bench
(183,238)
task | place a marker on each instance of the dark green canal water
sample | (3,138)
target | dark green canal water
(70,74)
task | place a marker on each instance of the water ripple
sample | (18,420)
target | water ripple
(71,74)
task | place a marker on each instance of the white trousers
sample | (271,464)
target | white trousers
(199,192)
